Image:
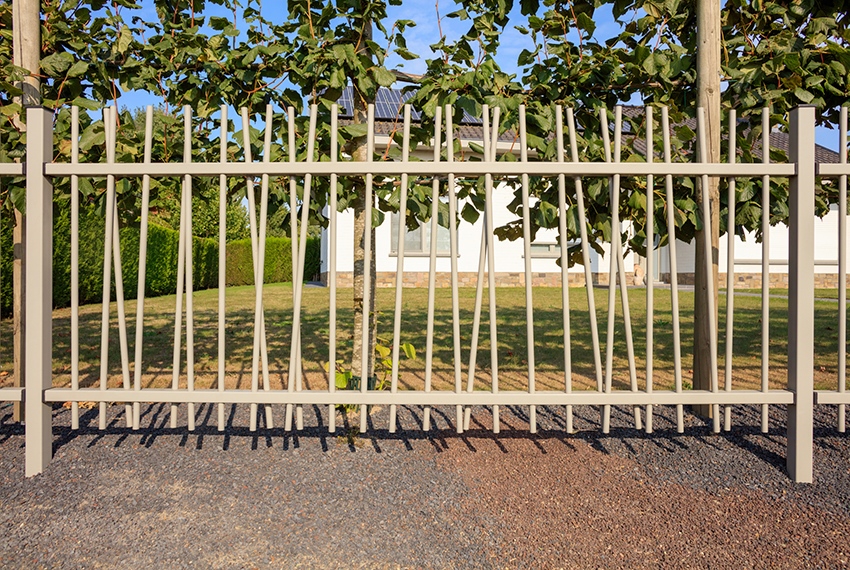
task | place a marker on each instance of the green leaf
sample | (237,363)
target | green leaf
(355,130)
(78,69)
(341,380)
(409,350)
(86,104)
(384,77)
(469,213)
(803,95)
(92,136)
(56,64)
(124,39)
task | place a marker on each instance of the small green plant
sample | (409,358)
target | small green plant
(344,379)
(686,385)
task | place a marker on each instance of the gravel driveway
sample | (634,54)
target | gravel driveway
(163,498)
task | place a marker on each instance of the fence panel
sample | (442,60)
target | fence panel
(496,175)
(828,174)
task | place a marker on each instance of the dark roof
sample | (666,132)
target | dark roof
(389,105)
(389,119)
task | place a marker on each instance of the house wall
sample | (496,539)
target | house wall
(509,256)
(748,255)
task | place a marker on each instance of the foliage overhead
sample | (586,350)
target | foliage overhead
(208,53)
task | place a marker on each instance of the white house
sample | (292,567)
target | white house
(509,255)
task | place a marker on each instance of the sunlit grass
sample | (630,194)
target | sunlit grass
(159,328)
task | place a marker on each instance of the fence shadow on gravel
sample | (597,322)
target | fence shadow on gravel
(623,440)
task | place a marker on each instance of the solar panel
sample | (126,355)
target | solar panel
(389,106)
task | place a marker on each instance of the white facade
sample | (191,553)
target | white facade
(510,260)
(748,252)
(509,257)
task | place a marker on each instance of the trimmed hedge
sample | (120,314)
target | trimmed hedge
(161,271)
(161,278)
(278,261)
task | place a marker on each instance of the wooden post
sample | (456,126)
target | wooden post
(26,46)
(708,97)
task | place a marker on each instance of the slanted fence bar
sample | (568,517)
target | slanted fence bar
(302,169)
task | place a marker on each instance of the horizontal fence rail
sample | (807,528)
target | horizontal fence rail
(304,172)
(256,169)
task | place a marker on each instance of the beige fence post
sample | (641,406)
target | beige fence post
(39,262)
(801,304)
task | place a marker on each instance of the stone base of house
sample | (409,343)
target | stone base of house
(553,279)
(753,280)
(470,279)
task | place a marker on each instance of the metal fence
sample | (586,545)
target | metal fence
(40,170)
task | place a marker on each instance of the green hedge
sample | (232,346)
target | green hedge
(161,272)
(278,261)
(161,278)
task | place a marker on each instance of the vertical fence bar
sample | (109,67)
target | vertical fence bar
(585,253)
(565,263)
(479,300)
(765,266)
(612,271)
(526,243)
(674,270)
(252,217)
(491,269)
(122,317)
(332,239)
(617,266)
(109,135)
(259,311)
(292,377)
(143,256)
(432,267)
(489,150)
(222,261)
(366,331)
(178,303)
(621,266)
(650,264)
(450,157)
(801,304)
(75,266)
(39,303)
(190,283)
(268,132)
(399,274)
(706,216)
(298,279)
(842,269)
(730,268)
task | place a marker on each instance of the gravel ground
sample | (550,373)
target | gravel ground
(170,499)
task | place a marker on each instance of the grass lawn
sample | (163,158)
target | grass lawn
(512,343)
(819,293)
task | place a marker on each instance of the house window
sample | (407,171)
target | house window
(549,249)
(418,241)
(545,250)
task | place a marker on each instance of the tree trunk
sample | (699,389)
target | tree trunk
(26,50)
(359,152)
(708,97)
